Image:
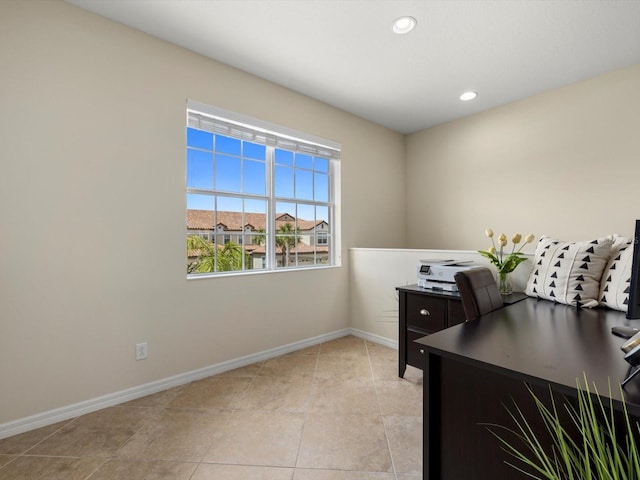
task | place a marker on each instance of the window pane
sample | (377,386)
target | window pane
(257,207)
(230,257)
(253,150)
(256,240)
(306,230)
(230,254)
(255,212)
(200,224)
(254,177)
(304,161)
(227,173)
(228,204)
(304,185)
(227,145)
(199,169)
(286,235)
(286,242)
(199,139)
(306,213)
(323,234)
(323,253)
(285,212)
(284,157)
(322,213)
(321,165)
(201,202)
(283,182)
(321,187)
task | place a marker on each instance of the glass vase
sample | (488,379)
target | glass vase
(504,283)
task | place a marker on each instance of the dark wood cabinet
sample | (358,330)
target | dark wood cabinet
(423,312)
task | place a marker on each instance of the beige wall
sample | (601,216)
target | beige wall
(564,163)
(92,212)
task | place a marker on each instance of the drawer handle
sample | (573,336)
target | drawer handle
(424,311)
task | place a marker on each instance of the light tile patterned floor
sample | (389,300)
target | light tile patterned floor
(335,411)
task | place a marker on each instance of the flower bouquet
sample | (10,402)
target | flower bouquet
(505,263)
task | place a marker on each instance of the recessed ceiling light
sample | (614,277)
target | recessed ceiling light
(468,96)
(404,25)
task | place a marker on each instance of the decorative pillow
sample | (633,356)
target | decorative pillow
(616,277)
(569,272)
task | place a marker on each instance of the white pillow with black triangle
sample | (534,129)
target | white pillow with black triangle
(616,277)
(569,272)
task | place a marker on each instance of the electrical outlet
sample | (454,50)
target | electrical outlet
(141,351)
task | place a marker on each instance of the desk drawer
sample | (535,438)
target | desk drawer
(414,357)
(426,313)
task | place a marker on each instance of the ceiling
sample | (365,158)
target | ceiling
(344,53)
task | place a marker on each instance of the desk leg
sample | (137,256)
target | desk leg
(431,418)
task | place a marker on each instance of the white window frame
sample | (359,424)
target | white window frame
(259,131)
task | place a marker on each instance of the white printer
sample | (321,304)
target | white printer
(439,274)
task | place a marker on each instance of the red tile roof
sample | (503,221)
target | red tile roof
(232,221)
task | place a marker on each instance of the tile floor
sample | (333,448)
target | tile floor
(335,411)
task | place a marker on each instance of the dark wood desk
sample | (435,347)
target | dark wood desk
(472,369)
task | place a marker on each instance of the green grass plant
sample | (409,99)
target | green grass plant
(603,449)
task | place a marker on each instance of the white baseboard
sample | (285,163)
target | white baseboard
(387,342)
(71,411)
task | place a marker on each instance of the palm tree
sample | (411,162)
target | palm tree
(286,239)
(229,257)
(206,254)
(259,238)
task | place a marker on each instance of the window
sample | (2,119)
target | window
(262,191)
(322,238)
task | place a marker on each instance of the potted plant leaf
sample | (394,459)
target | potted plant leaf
(597,442)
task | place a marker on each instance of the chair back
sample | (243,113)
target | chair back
(478,291)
